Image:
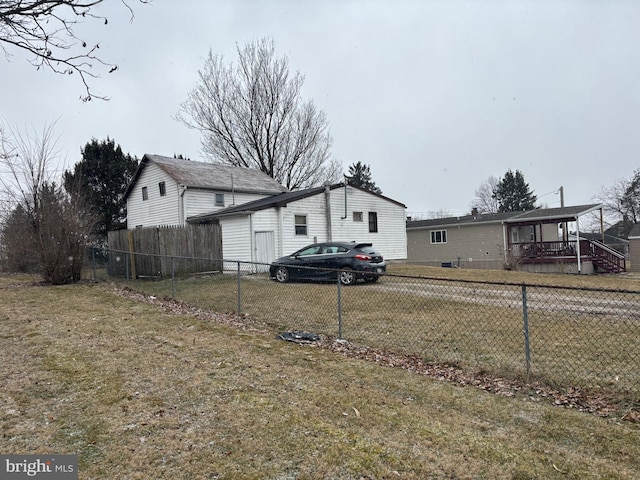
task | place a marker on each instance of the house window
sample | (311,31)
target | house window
(163,189)
(145,193)
(219,201)
(357,216)
(373,222)
(438,236)
(301,224)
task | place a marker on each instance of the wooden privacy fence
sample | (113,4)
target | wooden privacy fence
(160,251)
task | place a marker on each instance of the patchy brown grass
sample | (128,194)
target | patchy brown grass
(578,338)
(146,390)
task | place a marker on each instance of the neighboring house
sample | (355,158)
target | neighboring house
(265,229)
(260,220)
(531,240)
(166,191)
(634,248)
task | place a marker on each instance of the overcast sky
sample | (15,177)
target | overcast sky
(435,96)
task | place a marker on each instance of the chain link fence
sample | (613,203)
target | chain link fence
(560,336)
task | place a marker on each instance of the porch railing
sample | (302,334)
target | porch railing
(539,250)
(606,258)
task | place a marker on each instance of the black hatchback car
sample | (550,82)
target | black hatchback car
(324,261)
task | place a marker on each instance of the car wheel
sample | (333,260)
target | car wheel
(372,278)
(347,276)
(282,274)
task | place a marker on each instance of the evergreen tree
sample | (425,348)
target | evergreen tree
(630,201)
(513,193)
(102,176)
(360,176)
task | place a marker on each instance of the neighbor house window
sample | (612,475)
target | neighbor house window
(438,236)
(301,224)
(219,200)
(357,216)
(373,222)
(145,193)
(163,189)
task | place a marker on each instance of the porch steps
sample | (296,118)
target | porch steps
(606,259)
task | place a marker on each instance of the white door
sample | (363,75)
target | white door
(265,250)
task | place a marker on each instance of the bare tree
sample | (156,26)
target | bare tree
(251,114)
(611,199)
(486,201)
(45,29)
(45,224)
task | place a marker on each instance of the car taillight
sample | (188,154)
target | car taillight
(362,257)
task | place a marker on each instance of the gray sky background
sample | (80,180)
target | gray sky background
(435,96)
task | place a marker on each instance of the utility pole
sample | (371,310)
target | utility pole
(565,234)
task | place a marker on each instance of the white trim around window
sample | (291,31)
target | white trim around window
(300,222)
(438,236)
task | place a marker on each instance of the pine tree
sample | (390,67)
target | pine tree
(360,176)
(103,175)
(513,194)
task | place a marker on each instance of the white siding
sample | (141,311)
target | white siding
(390,239)
(156,210)
(199,201)
(236,238)
(175,206)
(314,208)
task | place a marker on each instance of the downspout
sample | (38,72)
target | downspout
(327,202)
(182,209)
(252,243)
(280,242)
(345,197)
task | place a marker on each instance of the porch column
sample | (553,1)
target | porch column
(505,238)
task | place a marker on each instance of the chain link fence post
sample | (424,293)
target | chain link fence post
(339,308)
(525,329)
(173,277)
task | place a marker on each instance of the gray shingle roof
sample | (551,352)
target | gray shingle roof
(635,231)
(212,176)
(541,214)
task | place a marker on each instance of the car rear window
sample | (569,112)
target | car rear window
(367,250)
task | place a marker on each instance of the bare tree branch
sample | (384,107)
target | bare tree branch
(45,30)
(251,115)
(485,200)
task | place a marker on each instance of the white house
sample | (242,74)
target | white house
(265,229)
(260,219)
(166,191)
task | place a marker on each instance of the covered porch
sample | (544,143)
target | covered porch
(538,241)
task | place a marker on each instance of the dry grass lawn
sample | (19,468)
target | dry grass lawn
(139,391)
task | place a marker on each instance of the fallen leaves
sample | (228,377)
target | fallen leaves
(602,403)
